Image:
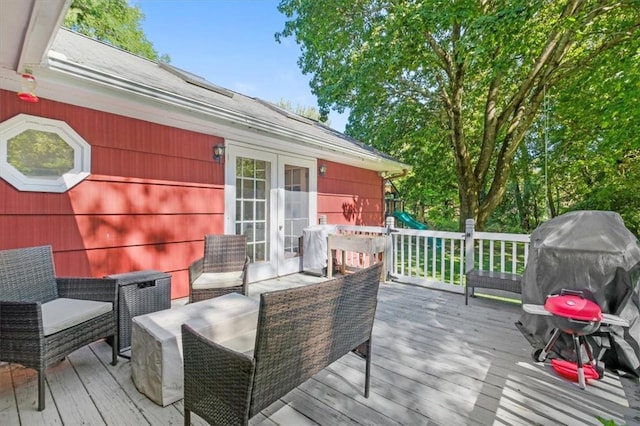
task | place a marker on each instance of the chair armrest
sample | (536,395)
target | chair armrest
(215,373)
(99,289)
(20,321)
(195,270)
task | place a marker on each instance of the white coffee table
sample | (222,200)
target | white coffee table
(156,340)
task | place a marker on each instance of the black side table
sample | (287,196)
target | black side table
(139,293)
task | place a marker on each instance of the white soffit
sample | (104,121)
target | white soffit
(27,30)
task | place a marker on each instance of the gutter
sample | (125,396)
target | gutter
(396,176)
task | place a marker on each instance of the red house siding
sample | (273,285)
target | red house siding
(153,193)
(349,195)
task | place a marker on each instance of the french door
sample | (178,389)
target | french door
(271,198)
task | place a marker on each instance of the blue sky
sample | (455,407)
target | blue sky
(231,43)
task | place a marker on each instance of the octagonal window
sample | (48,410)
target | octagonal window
(41,154)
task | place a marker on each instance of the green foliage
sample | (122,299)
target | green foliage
(41,154)
(305,111)
(606,422)
(113,22)
(455,89)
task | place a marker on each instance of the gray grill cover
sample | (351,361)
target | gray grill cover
(590,250)
(314,248)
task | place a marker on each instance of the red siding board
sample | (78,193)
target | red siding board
(104,197)
(13,201)
(350,196)
(144,165)
(338,203)
(134,230)
(23,231)
(115,197)
(71,233)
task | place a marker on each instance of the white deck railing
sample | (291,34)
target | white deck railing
(439,259)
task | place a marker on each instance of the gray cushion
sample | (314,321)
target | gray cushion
(62,313)
(217,280)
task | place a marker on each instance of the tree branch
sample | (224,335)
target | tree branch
(553,43)
(490,129)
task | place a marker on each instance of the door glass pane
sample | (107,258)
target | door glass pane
(296,210)
(252,205)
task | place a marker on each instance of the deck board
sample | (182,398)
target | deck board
(8,409)
(107,394)
(74,404)
(435,362)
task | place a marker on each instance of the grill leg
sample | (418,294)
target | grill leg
(576,343)
(549,346)
(595,363)
(587,349)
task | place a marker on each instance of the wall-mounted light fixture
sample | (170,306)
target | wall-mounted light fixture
(388,186)
(322,170)
(28,85)
(218,153)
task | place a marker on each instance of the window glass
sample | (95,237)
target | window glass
(40,154)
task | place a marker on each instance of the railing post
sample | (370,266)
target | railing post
(469,244)
(390,222)
(389,254)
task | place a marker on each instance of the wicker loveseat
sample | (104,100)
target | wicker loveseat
(300,331)
(44,318)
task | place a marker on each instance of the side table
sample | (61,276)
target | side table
(139,293)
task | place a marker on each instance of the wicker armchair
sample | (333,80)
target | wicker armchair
(44,318)
(222,269)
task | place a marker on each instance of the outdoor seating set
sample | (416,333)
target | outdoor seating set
(239,355)
(230,356)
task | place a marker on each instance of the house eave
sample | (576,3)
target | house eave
(153,104)
(28,28)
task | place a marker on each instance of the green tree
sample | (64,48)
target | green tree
(305,111)
(471,72)
(589,137)
(114,22)
(595,150)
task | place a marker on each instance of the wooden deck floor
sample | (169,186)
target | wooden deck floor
(436,362)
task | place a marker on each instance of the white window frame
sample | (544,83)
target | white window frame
(81,154)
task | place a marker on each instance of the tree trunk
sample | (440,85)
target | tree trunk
(468,208)
(552,207)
